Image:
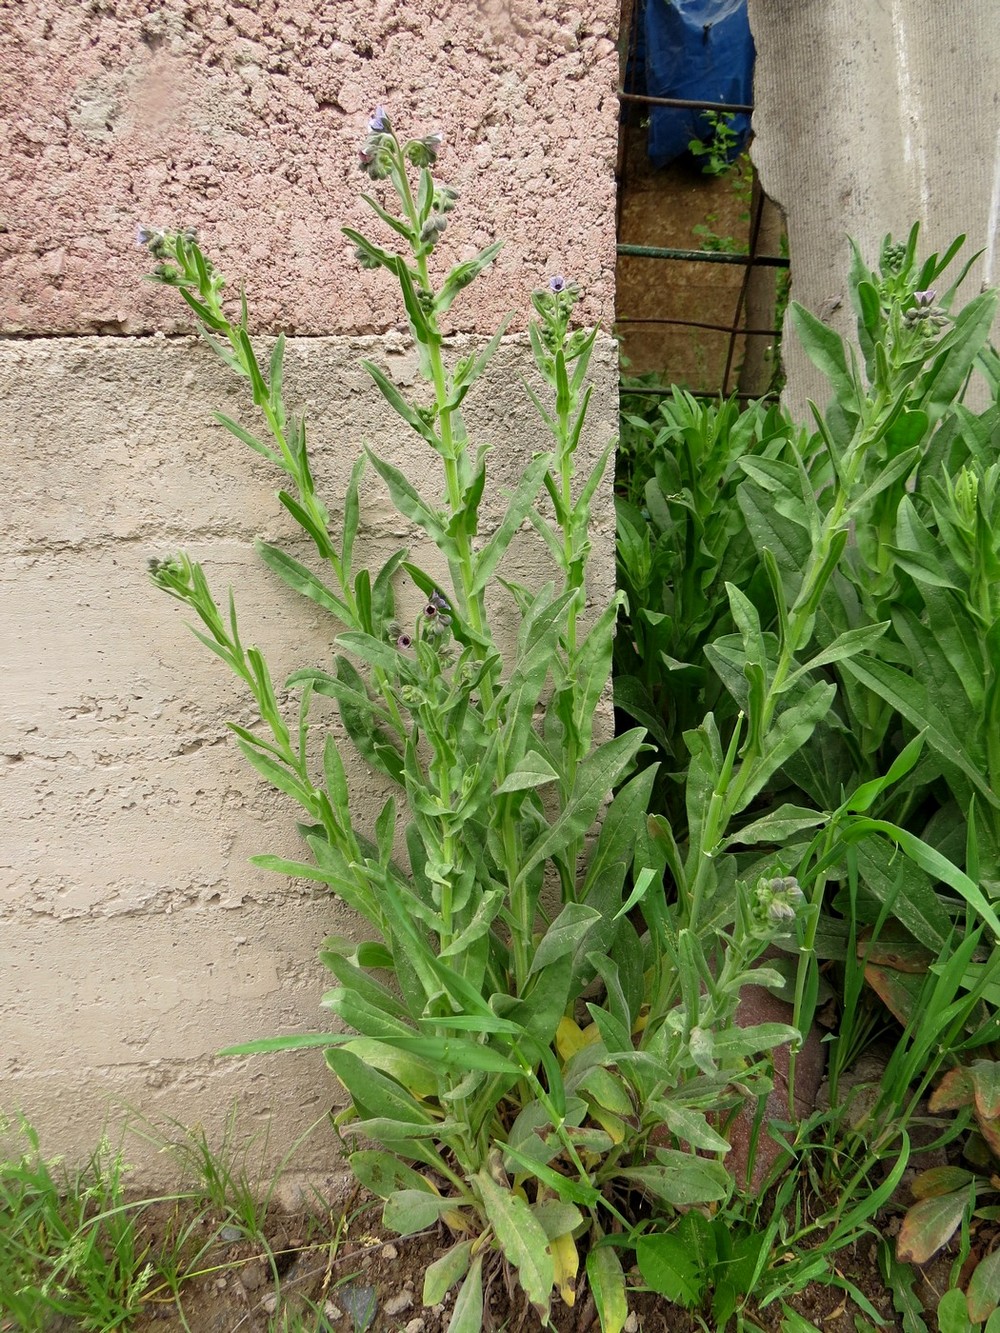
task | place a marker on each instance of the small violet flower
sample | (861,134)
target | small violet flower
(403,642)
(925,309)
(377,122)
(557,284)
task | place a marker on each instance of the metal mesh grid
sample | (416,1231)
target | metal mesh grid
(739,332)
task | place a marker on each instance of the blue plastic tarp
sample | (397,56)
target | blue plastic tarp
(699,50)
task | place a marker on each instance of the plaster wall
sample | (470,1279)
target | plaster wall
(869,118)
(135,938)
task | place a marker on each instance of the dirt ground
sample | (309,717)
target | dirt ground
(662,208)
(366,1279)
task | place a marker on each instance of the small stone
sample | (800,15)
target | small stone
(269,1304)
(231,1233)
(397,1304)
(220,1284)
(332,1311)
(390,1252)
(415,1326)
(631,1324)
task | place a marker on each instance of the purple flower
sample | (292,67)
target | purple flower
(403,642)
(436,604)
(925,299)
(377,123)
(557,284)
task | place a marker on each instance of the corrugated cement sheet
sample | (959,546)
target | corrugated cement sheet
(871,115)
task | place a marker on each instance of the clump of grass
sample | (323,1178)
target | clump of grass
(80,1247)
(69,1243)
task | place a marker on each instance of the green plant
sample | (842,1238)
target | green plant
(494,1109)
(681,539)
(718,146)
(69,1243)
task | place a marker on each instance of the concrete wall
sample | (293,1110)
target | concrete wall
(135,940)
(870,117)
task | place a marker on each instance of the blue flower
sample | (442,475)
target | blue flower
(557,284)
(378,123)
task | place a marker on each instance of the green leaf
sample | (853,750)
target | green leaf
(521,1239)
(557,1218)
(303,580)
(372,742)
(517,508)
(415,1074)
(778,827)
(296,1041)
(407,1211)
(595,778)
(906,890)
(929,859)
(236,429)
(279,775)
(825,349)
(409,502)
(467,1316)
(606,1280)
(681,1179)
(953,1313)
(901,1279)
(590,669)
(693,1128)
(864,796)
(793,1322)
(788,733)
(848,644)
(928,1225)
(382,1173)
(533,770)
(670,1268)
(564,936)
(464,273)
(983,1291)
(375,1094)
(456,1053)
(444,1272)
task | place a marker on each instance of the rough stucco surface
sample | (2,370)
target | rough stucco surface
(243,120)
(135,939)
(864,126)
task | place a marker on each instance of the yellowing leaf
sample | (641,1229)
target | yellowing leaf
(611,1124)
(569,1039)
(566,1263)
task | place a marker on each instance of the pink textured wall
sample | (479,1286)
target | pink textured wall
(244,120)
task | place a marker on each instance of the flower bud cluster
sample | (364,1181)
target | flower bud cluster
(966,492)
(925,309)
(893,257)
(443,202)
(433,625)
(424,152)
(774,905)
(555,304)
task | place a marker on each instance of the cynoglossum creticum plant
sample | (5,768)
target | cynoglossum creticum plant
(842,755)
(470,1066)
(825,775)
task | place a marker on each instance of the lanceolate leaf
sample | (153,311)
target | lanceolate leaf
(928,1225)
(467,1317)
(596,776)
(606,1280)
(521,1238)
